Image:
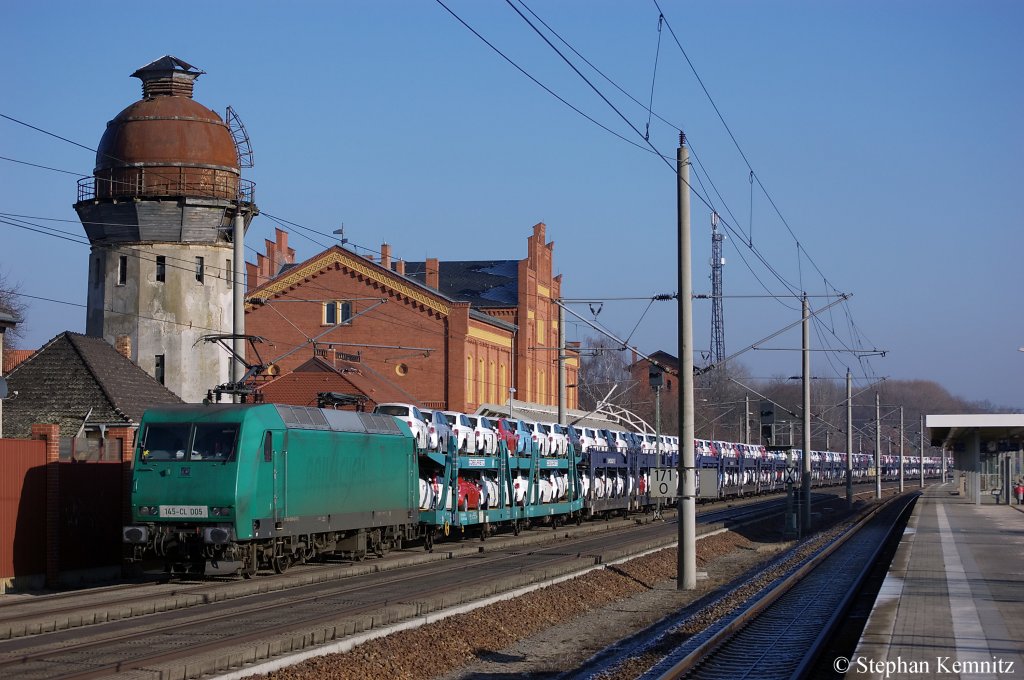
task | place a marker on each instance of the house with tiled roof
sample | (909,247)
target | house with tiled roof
(83,385)
(452,335)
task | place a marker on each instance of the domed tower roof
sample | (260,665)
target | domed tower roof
(166,152)
(167,144)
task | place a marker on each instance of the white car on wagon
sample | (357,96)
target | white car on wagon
(411,416)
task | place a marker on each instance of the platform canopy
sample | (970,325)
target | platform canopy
(995,430)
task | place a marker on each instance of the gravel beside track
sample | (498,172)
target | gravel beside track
(556,630)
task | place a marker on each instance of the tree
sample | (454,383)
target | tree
(12,303)
(602,366)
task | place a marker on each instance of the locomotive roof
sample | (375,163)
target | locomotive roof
(300,417)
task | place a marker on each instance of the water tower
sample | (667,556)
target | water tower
(159,211)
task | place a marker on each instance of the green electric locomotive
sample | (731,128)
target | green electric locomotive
(221,489)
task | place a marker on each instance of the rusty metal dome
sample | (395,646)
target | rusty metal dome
(167,144)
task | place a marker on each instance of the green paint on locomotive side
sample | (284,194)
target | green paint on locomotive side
(364,480)
(310,473)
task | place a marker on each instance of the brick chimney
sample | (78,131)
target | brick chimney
(123,345)
(400,267)
(385,255)
(433,272)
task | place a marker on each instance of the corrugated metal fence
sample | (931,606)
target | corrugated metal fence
(83,498)
(22,507)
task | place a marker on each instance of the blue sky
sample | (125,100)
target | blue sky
(888,134)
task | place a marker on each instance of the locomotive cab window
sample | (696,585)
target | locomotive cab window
(165,441)
(214,442)
(184,441)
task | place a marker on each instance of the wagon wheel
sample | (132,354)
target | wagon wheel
(281,563)
(249,562)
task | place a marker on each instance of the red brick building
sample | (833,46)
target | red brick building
(450,335)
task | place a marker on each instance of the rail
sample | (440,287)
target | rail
(215,184)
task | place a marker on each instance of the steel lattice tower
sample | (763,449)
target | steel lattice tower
(717,320)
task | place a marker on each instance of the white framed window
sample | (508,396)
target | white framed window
(337,312)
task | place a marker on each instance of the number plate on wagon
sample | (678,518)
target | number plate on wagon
(183,511)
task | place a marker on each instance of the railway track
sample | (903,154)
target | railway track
(232,628)
(778,633)
(61,611)
(234,631)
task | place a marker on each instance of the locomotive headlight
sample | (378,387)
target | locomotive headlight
(147,509)
(220,511)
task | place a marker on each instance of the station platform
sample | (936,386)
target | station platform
(952,605)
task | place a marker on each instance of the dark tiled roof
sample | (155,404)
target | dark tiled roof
(74,379)
(482,283)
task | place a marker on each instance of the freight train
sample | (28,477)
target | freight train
(226,489)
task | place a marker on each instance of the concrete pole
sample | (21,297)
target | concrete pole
(686,567)
(901,449)
(561,365)
(657,443)
(922,451)
(238,297)
(976,467)
(849,437)
(805,480)
(878,446)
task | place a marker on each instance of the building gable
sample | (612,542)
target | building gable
(336,257)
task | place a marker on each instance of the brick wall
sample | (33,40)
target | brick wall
(51,435)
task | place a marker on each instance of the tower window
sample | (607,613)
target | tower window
(161,268)
(228,273)
(200,270)
(122,270)
(337,312)
(158,368)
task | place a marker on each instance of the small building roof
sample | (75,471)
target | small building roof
(73,380)
(948,430)
(13,357)
(7,320)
